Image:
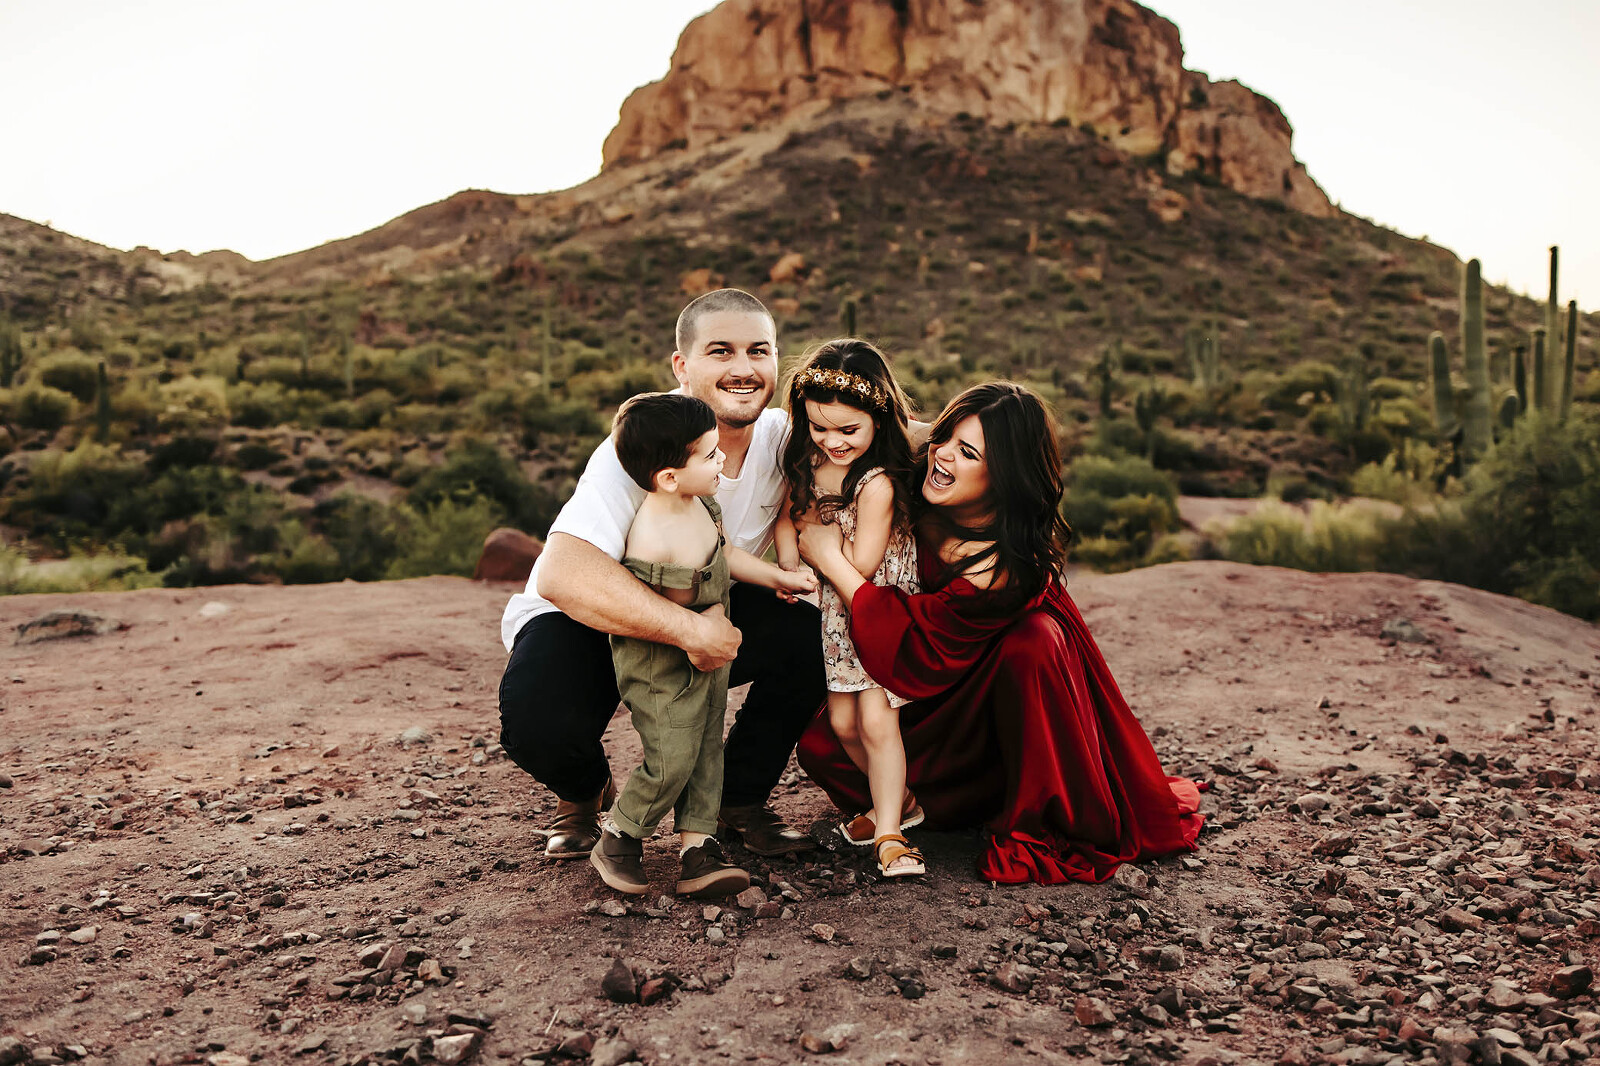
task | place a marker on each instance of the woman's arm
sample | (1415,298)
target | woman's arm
(874,525)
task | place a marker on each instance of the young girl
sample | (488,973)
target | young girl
(847,458)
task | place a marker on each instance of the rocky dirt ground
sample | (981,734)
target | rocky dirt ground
(273,824)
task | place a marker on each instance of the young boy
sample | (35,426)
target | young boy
(667,442)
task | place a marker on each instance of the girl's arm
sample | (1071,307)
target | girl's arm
(785,540)
(874,525)
(823,547)
(753,571)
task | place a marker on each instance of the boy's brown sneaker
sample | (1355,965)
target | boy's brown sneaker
(617,857)
(707,873)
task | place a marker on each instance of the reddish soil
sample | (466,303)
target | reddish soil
(220,795)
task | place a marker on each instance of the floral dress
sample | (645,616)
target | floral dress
(898,569)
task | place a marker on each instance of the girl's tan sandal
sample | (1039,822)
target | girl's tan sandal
(890,849)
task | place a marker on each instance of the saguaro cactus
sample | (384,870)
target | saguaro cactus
(1572,358)
(1477,433)
(1540,403)
(1105,373)
(102,404)
(1444,394)
(1552,331)
(1205,365)
(847,318)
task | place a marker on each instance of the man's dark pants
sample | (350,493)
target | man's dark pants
(559,692)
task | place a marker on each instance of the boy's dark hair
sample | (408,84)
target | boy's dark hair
(654,432)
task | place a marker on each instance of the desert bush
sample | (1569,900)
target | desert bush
(194,404)
(72,372)
(81,572)
(445,538)
(364,534)
(475,468)
(258,406)
(303,557)
(1330,537)
(1095,482)
(38,406)
(1301,386)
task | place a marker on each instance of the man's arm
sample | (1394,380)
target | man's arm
(590,587)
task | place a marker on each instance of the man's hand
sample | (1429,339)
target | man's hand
(715,642)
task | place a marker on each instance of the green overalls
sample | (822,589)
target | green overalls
(677,710)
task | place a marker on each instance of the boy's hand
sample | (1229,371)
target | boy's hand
(794,580)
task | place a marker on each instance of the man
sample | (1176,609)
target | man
(559,690)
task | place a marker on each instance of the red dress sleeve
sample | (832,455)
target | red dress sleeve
(917,645)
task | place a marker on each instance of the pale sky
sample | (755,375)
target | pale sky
(269,128)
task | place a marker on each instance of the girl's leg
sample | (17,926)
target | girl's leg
(842,717)
(886,760)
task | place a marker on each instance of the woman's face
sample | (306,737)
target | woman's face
(958,475)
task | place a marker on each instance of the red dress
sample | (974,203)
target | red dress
(1016,724)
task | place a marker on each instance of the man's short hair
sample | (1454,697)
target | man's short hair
(711,303)
(654,432)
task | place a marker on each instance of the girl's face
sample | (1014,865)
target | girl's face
(840,432)
(958,475)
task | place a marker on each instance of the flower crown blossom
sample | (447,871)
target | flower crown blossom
(842,381)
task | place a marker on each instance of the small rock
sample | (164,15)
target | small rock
(54,625)
(85,935)
(1170,958)
(1457,920)
(430,971)
(1093,1013)
(415,735)
(12,1051)
(1335,843)
(1312,802)
(472,1018)
(943,951)
(1503,995)
(620,984)
(912,988)
(214,609)
(858,968)
(1132,879)
(453,1049)
(1404,630)
(576,1045)
(816,1045)
(1571,981)
(1013,977)
(613,908)
(656,989)
(415,1013)
(5,781)
(823,932)
(612,1051)
(750,898)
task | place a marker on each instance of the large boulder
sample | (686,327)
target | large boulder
(508,555)
(1110,65)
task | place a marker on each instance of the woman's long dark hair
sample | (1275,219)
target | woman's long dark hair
(1027,535)
(890,447)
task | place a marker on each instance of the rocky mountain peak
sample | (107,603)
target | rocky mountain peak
(1109,65)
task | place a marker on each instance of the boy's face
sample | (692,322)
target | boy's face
(701,472)
(732,365)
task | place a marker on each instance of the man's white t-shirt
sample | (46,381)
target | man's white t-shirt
(604,503)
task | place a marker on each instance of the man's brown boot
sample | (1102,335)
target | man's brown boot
(577,826)
(761,831)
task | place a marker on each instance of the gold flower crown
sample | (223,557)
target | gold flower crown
(842,381)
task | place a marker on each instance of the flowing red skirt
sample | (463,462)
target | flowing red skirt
(1018,726)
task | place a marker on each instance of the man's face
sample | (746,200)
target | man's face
(732,365)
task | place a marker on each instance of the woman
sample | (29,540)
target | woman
(1016,722)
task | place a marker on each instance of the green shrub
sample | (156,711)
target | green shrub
(445,538)
(72,372)
(109,572)
(364,533)
(303,558)
(1095,483)
(1343,537)
(476,468)
(37,406)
